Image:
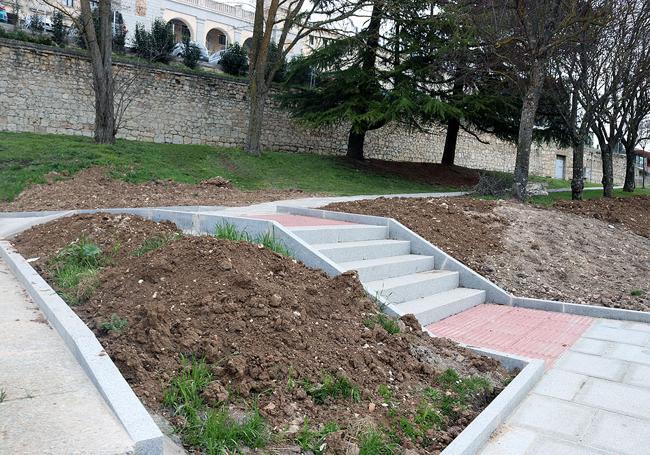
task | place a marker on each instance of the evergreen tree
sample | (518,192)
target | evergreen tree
(350,88)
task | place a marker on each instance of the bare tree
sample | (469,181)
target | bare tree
(574,85)
(99,43)
(625,63)
(528,33)
(284,22)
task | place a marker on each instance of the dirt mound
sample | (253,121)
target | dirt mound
(267,326)
(432,173)
(117,235)
(533,252)
(93,188)
(467,229)
(631,212)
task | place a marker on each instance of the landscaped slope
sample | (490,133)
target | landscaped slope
(238,345)
(32,158)
(537,252)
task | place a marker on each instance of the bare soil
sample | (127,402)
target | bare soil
(93,188)
(534,252)
(631,212)
(432,173)
(259,319)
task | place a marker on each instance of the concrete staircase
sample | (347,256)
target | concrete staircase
(405,282)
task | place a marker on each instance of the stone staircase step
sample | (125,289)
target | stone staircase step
(442,305)
(341,233)
(389,267)
(365,249)
(410,287)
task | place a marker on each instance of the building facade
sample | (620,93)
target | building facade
(213,24)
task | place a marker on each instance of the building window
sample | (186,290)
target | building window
(68,3)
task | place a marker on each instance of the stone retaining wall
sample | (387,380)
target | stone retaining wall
(47,90)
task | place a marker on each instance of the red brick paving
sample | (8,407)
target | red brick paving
(297,220)
(530,333)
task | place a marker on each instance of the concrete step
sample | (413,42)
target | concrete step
(341,233)
(366,249)
(439,306)
(388,267)
(411,287)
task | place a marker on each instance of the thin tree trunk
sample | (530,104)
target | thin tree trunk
(356,140)
(630,182)
(526,125)
(577,182)
(451,139)
(256,116)
(608,171)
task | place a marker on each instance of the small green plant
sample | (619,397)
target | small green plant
(210,430)
(155,242)
(332,387)
(235,60)
(385,392)
(114,324)
(59,32)
(191,53)
(75,269)
(389,324)
(637,293)
(228,231)
(314,440)
(374,442)
(3,395)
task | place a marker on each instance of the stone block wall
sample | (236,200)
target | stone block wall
(46,90)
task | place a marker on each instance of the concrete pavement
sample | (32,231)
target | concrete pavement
(49,406)
(594,400)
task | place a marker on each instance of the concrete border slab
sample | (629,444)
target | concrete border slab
(85,347)
(479,431)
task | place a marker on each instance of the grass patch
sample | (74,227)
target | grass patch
(155,242)
(114,324)
(637,292)
(313,441)
(389,324)
(25,158)
(438,407)
(228,231)
(374,442)
(590,194)
(333,387)
(211,430)
(75,269)
(3,395)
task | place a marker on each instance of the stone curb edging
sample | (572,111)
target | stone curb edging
(582,310)
(479,431)
(85,347)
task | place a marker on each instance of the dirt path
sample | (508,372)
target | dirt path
(532,252)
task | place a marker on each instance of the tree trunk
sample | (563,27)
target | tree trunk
(630,182)
(577,182)
(608,171)
(449,152)
(526,125)
(356,140)
(104,110)
(256,115)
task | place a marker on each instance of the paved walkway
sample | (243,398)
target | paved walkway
(49,406)
(594,400)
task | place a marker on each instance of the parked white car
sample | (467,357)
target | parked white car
(178,50)
(46,21)
(216,57)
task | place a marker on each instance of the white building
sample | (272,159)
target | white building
(215,24)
